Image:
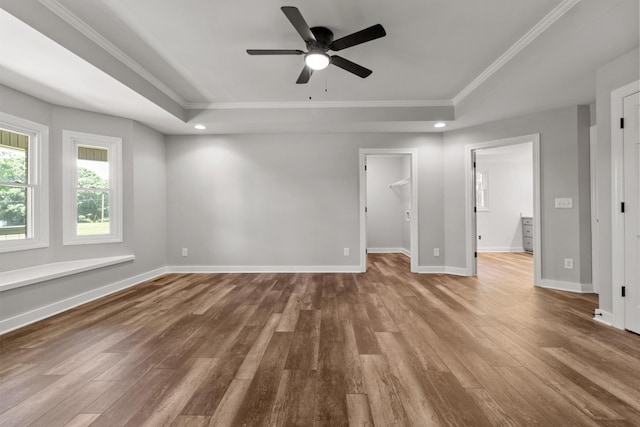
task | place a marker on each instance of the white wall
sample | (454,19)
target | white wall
(510,192)
(617,73)
(562,232)
(284,200)
(144,206)
(386,206)
(406,206)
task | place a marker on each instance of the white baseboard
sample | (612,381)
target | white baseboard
(441,269)
(389,251)
(40,313)
(431,269)
(502,249)
(583,288)
(263,269)
(603,317)
(457,271)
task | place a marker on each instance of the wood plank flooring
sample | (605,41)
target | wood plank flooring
(383,348)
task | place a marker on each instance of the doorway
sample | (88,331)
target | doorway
(391,186)
(525,221)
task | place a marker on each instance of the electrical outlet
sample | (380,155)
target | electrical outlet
(436,251)
(568,263)
(346,251)
(479,237)
(185,252)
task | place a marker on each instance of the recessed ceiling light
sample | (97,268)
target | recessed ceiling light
(200,127)
(440,125)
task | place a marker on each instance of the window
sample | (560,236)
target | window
(24,196)
(92,188)
(482,191)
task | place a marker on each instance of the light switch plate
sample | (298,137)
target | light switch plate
(564,203)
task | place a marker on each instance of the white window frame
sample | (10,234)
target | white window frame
(484,189)
(37,183)
(71,140)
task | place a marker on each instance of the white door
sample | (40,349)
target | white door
(632,211)
(474,222)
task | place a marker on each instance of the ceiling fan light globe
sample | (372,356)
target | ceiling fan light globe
(317,61)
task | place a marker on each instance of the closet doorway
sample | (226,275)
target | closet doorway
(388,203)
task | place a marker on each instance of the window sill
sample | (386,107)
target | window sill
(13,279)
(22,245)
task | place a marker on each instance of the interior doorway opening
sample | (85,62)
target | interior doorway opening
(481,199)
(389,204)
(503,191)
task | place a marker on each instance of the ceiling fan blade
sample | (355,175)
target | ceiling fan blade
(274,52)
(305,75)
(351,67)
(298,22)
(362,36)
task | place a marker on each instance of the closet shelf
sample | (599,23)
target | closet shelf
(399,183)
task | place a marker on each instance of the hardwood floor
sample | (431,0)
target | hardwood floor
(383,348)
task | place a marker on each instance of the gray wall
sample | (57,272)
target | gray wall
(614,75)
(561,229)
(510,189)
(144,205)
(284,200)
(386,206)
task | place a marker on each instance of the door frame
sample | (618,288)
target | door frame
(413,226)
(617,195)
(595,215)
(472,243)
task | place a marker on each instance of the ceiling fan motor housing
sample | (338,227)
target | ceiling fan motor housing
(324,37)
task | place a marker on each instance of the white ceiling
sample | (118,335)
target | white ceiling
(166,62)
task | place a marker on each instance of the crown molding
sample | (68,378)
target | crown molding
(522,43)
(84,28)
(315,104)
(69,17)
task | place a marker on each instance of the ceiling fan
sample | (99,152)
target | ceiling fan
(319,41)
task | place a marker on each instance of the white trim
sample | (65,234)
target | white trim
(583,288)
(503,249)
(263,269)
(38,162)
(432,269)
(457,271)
(595,225)
(603,317)
(413,225)
(471,242)
(389,251)
(84,28)
(443,269)
(617,195)
(71,140)
(31,275)
(517,47)
(316,104)
(40,313)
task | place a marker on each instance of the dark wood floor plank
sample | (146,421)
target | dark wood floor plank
(294,404)
(256,407)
